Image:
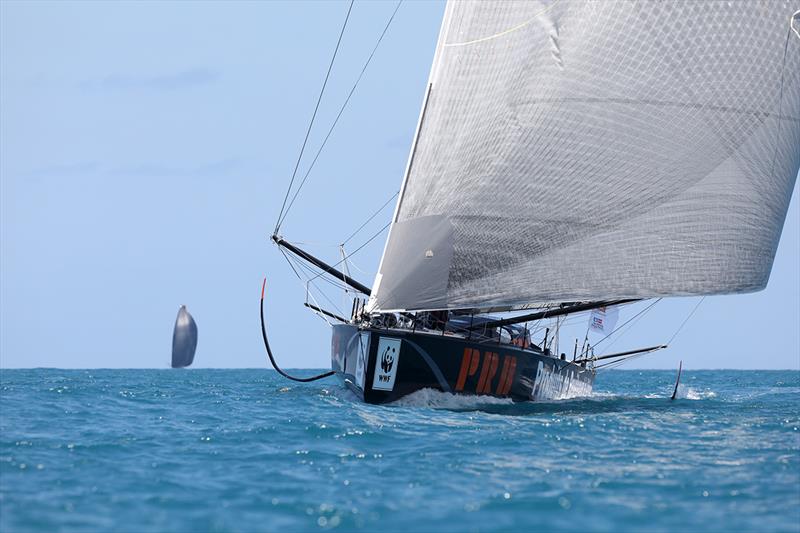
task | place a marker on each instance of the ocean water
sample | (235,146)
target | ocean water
(245,450)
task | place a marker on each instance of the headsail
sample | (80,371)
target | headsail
(586,151)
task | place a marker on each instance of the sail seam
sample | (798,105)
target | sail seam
(680,105)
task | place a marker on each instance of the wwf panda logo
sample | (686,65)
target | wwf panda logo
(387,359)
(387,362)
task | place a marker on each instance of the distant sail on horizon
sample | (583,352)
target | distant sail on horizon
(184,339)
(591,151)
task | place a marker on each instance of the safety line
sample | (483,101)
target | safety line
(381,208)
(624,323)
(685,321)
(354,252)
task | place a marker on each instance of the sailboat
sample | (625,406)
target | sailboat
(572,156)
(184,339)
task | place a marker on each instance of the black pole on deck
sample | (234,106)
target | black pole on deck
(324,312)
(321,265)
(623,354)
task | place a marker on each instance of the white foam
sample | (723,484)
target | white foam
(446,400)
(687,393)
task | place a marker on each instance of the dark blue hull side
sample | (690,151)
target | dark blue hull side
(383,365)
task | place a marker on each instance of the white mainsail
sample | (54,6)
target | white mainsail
(582,151)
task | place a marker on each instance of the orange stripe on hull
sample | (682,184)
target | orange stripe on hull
(469,365)
(509,381)
(490,361)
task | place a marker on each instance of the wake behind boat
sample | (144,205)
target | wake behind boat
(569,157)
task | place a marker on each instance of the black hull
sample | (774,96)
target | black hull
(383,365)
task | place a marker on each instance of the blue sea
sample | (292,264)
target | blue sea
(245,450)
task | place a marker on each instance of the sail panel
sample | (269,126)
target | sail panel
(584,151)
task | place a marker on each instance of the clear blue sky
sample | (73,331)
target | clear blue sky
(144,153)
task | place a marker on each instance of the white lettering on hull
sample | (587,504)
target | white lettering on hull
(550,384)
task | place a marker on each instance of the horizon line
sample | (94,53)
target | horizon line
(322,368)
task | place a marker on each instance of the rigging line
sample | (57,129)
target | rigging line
(539,325)
(290,263)
(624,359)
(361,270)
(336,120)
(310,272)
(346,267)
(621,361)
(381,208)
(573,319)
(288,260)
(376,213)
(354,252)
(323,294)
(622,333)
(624,323)
(685,321)
(346,271)
(306,287)
(586,335)
(633,322)
(308,293)
(618,362)
(310,282)
(313,116)
(309,243)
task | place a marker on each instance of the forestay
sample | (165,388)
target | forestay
(580,151)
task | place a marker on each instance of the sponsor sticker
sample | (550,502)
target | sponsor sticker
(386,364)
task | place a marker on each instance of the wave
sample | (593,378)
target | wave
(597,402)
(688,393)
(435,399)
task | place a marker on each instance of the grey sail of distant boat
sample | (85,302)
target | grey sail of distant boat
(574,151)
(570,156)
(184,339)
